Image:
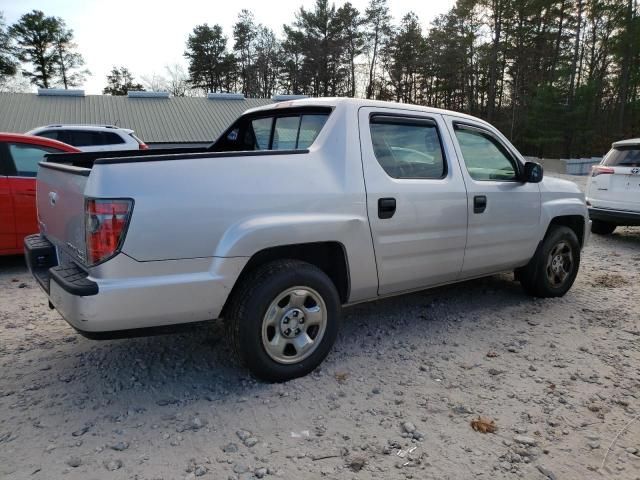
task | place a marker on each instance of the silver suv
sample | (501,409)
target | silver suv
(92,138)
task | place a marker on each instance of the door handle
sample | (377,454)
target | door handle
(479,203)
(386,207)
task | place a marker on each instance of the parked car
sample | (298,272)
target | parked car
(297,209)
(613,190)
(92,138)
(19,158)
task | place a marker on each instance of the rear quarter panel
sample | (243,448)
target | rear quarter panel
(238,206)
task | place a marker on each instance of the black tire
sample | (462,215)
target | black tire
(602,228)
(248,307)
(535,276)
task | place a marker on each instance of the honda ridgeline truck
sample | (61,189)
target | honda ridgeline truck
(297,209)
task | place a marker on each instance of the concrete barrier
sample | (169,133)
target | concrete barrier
(570,166)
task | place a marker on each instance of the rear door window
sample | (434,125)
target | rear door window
(408,147)
(110,138)
(84,138)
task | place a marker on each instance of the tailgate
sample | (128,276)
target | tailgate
(60,201)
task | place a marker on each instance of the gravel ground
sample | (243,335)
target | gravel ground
(558,379)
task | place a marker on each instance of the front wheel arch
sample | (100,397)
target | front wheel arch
(534,276)
(574,222)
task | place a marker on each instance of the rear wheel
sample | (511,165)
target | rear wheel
(283,319)
(554,267)
(602,228)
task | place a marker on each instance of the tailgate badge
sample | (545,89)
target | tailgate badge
(635,171)
(53,198)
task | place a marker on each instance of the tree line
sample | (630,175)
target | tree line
(558,77)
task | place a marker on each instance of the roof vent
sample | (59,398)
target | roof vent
(59,92)
(225,96)
(284,98)
(141,94)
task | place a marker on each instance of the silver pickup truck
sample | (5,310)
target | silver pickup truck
(297,209)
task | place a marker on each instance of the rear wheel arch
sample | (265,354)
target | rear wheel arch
(330,257)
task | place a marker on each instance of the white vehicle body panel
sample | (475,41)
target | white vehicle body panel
(128,142)
(614,196)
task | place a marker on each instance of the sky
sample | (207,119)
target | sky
(147,35)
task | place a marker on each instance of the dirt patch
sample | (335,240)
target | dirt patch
(609,280)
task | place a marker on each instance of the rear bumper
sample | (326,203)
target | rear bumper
(41,258)
(130,296)
(618,217)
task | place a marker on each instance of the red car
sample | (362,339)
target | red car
(19,158)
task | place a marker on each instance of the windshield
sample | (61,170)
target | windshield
(623,157)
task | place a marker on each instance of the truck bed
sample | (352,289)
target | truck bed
(87,159)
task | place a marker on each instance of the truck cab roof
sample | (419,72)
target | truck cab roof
(359,103)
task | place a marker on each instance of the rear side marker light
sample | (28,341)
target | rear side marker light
(106,222)
(601,170)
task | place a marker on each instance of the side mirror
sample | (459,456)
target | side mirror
(533,172)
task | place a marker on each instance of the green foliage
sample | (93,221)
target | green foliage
(8,64)
(210,64)
(68,61)
(120,82)
(378,31)
(46,45)
(35,34)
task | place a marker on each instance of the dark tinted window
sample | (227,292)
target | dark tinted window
(623,157)
(85,138)
(26,158)
(408,148)
(110,138)
(89,138)
(52,134)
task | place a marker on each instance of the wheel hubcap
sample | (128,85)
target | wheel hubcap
(294,324)
(559,264)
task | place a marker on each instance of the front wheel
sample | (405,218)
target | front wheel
(554,267)
(283,319)
(602,228)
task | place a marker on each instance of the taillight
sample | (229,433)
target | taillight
(105,227)
(143,146)
(601,170)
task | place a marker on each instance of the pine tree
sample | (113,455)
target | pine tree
(120,82)
(208,58)
(47,46)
